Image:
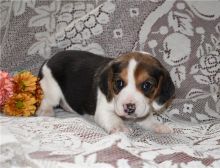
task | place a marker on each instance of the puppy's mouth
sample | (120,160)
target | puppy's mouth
(134,117)
(126,115)
(131,116)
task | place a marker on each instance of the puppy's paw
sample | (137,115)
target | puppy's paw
(162,129)
(118,128)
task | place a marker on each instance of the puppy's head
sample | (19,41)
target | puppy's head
(137,84)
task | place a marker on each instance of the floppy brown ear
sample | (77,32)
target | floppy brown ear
(166,88)
(105,82)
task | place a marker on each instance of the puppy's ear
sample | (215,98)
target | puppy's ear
(105,82)
(165,90)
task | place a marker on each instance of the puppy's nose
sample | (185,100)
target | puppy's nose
(129,108)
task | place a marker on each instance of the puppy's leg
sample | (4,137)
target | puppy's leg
(110,121)
(66,106)
(150,123)
(106,117)
(45,109)
(52,93)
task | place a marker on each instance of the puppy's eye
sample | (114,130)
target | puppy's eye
(146,86)
(119,84)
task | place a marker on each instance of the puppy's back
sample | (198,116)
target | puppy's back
(74,72)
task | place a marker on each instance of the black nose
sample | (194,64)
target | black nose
(129,108)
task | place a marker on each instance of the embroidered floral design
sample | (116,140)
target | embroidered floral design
(46,16)
(118,33)
(134,12)
(210,64)
(61,29)
(19,7)
(176,54)
(81,161)
(91,25)
(187,108)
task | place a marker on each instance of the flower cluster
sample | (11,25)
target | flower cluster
(20,95)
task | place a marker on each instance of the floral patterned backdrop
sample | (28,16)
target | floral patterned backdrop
(184,35)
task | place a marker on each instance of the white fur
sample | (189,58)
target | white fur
(130,94)
(151,123)
(52,94)
(105,116)
(144,52)
(156,106)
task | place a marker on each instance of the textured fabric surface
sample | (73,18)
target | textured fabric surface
(183,35)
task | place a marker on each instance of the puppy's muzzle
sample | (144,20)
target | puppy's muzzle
(129,108)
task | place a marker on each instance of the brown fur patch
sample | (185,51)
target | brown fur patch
(110,86)
(119,72)
(124,75)
(141,75)
(157,89)
(139,57)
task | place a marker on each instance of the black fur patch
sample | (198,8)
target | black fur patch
(104,82)
(108,77)
(167,89)
(75,72)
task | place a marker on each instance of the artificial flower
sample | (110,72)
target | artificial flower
(38,93)
(25,82)
(21,104)
(6,87)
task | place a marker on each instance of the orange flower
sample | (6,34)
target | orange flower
(25,82)
(38,93)
(20,105)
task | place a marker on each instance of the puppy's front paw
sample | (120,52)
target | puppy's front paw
(118,128)
(162,129)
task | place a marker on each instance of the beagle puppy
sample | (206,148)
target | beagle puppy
(131,86)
